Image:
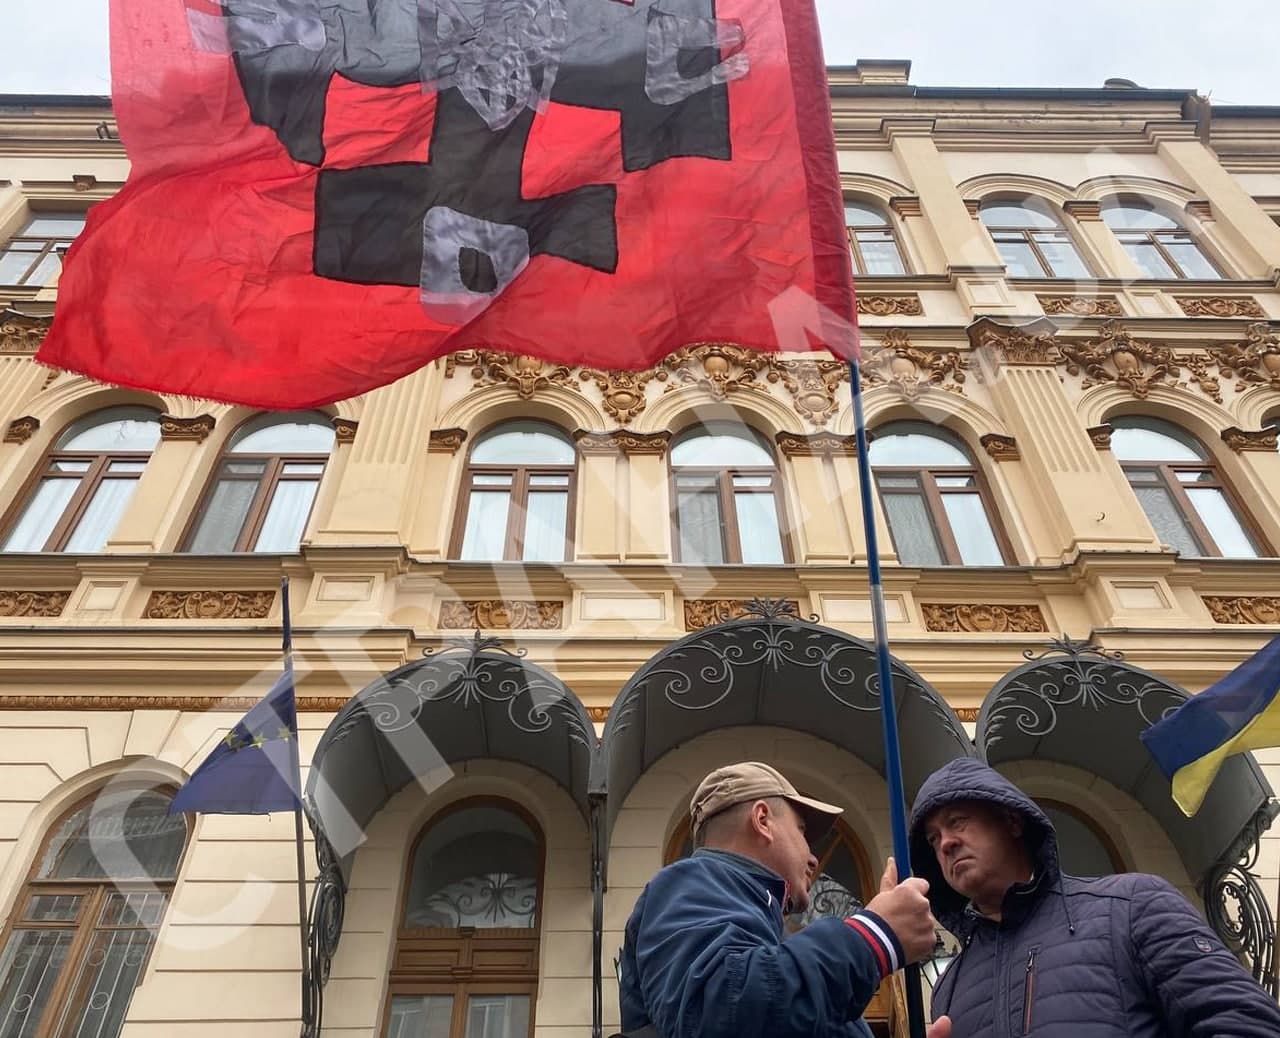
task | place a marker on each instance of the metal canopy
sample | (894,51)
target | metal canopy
(1080,705)
(469,701)
(769,668)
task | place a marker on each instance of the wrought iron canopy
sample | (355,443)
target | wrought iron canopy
(1080,705)
(470,700)
(769,668)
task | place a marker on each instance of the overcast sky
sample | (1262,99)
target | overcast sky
(1229,50)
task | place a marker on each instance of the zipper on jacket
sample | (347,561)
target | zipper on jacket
(1029,991)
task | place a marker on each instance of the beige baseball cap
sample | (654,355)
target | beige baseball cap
(752,780)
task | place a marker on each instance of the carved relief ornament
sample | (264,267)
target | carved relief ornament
(33,603)
(622,441)
(1253,361)
(1220,306)
(983,619)
(194,430)
(446,441)
(526,375)
(21,429)
(911,371)
(1034,344)
(20,333)
(1000,447)
(798,445)
(1257,609)
(1117,357)
(500,614)
(890,306)
(1239,440)
(812,385)
(209,605)
(707,612)
(1081,306)
(344,430)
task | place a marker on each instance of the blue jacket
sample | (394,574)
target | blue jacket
(1124,956)
(704,957)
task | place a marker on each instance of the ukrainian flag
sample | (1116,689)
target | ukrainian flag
(1239,713)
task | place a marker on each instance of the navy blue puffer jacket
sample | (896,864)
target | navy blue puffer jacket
(704,958)
(1125,956)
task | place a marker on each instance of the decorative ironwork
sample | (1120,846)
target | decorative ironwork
(469,673)
(324,930)
(1072,673)
(1237,908)
(499,899)
(827,897)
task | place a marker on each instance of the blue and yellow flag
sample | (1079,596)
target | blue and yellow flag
(255,769)
(1239,713)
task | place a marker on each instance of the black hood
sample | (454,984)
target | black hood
(968,779)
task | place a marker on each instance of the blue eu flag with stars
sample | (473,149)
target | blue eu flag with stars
(254,769)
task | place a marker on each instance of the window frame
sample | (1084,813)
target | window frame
(518,500)
(725,491)
(96,894)
(933,494)
(51,245)
(461,940)
(1027,235)
(889,227)
(272,476)
(1152,236)
(89,482)
(1167,473)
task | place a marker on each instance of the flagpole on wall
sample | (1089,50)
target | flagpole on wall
(296,764)
(888,708)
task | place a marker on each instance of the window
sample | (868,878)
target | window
(466,962)
(1179,488)
(727,497)
(518,495)
(934,498)
(266,484)
(1083,848)
(33,256)
(1032,243)
(871,237)
(1159,245)
(85,483)
(86,920)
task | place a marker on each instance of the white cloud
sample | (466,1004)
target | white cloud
(1227,49)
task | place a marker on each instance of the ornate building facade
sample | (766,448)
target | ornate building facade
(533,605)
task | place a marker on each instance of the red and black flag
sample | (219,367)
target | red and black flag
(327,194)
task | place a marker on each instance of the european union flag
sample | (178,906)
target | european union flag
(255,768)
(1241,712)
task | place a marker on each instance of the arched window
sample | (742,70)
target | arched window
(871,237)
(934,498)
(1158,244)
(86,919)
(466,962)
(266,485)
(1179,488)
(1083,848)
(518,495)
(1031,241)
(84,484)
(728,505)
(34,255)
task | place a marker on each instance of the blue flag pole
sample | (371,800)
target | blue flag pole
(888,708)
(295,761)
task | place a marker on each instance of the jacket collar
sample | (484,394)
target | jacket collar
(774,883)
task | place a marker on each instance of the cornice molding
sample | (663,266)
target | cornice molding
(194,430)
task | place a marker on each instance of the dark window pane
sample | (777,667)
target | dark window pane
(913,533)
(1169,525)
(123,834)
(698,520)
(46,908)
(498,1016)
(29,968)
(420,1016)
(475,867)
(107,978)
(224,516)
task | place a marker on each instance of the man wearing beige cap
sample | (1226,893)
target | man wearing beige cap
(704,955)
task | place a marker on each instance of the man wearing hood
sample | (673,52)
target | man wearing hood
(1057,956)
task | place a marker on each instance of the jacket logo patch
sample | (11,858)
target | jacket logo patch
(1204,944)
